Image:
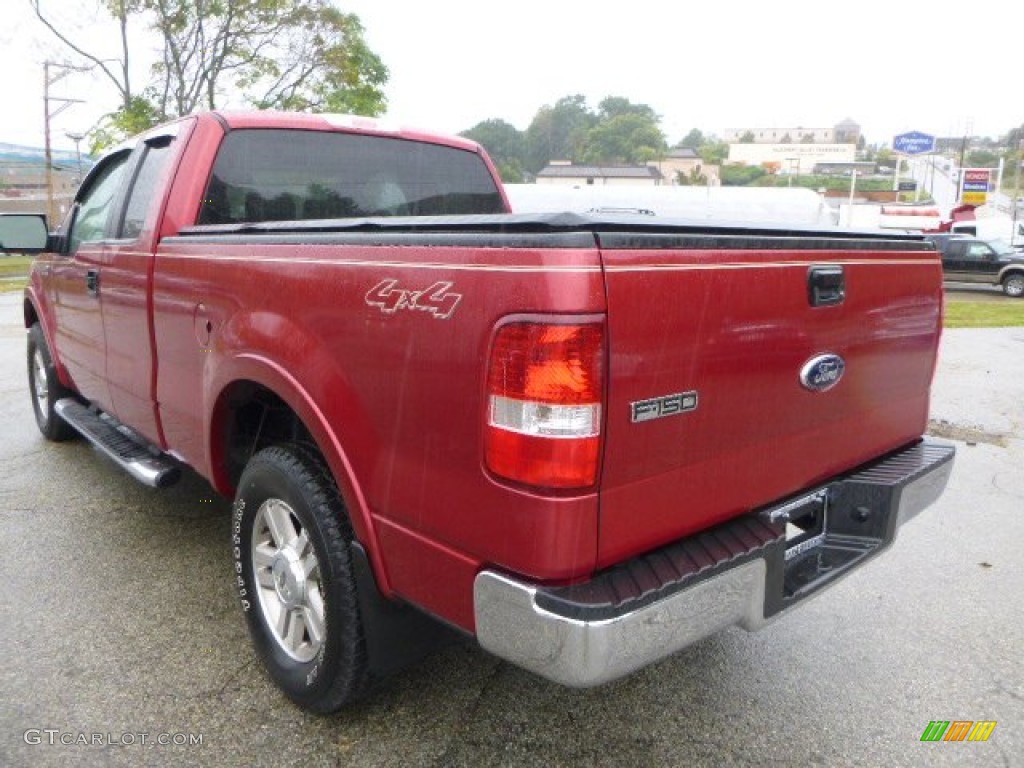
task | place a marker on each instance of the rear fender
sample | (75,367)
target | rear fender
(1010,270)
(301,369)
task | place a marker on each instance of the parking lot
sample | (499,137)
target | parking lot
(120,626)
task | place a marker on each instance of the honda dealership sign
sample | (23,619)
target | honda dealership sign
(974,185)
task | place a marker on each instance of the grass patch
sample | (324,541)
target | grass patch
(985,314)
(14,273)
(14,265)
(13,286)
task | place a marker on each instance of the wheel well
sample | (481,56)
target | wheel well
(31,316)
(252,417)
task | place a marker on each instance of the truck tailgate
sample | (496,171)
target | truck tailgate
(710,336)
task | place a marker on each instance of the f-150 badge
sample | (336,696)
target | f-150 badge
(660,407)
(437,299)
(823,372)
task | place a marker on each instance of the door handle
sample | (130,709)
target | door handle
(92,282)
(826,285)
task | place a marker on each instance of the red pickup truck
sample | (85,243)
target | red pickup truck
(585,441)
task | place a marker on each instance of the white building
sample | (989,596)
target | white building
(567,174)
(686,161)
(791,158)
(845,132)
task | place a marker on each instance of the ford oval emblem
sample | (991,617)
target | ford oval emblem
(823,372)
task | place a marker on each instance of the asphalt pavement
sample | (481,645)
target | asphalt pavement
(120,630)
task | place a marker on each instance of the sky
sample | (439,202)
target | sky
(890,66)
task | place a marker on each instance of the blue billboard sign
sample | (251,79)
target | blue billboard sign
(914,143)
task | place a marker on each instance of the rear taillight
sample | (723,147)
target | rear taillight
(545,389)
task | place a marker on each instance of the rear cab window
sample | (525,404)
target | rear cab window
(296,175)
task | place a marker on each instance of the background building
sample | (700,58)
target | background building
(23,179)
(791,158)
(564,172)
(686,161)
(845,132)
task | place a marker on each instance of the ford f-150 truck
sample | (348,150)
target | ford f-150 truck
(586,442)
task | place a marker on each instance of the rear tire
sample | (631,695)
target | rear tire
(294,574)
(1013,285)
(45,388)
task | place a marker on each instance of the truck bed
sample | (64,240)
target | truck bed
(722,312)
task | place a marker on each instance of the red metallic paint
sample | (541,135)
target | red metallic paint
(736,327)
(397,400)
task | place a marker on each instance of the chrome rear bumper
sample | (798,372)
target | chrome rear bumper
(737,574)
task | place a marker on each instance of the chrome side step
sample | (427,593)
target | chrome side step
(143,461)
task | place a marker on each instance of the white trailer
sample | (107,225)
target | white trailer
(766,205)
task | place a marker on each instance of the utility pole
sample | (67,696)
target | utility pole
(63,70)
(1016,190)
(968,128)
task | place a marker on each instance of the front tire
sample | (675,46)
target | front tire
(1013,285)
(295,578)
(45,388)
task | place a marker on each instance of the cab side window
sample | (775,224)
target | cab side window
(144,188)
(97,203)
(978,252)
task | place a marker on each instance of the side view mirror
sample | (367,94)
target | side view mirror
(23,233)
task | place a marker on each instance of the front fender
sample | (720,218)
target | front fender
(36,308)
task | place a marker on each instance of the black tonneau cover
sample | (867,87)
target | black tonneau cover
(564,230)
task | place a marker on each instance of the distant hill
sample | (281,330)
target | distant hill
(15,153)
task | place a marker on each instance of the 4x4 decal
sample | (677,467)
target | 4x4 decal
(437,299)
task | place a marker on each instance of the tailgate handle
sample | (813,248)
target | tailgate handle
(826,286)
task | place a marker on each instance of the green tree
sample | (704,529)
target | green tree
(622,132)
(628,138)
(694,140)
(276,54)
(1013,138)
(505,144)
(982,158)
(714,152)
(558,132)
(285,54)
(134,118)
(115,70)
(885,157)
(740,175)
(617,106)
(695,178)
(747,138)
